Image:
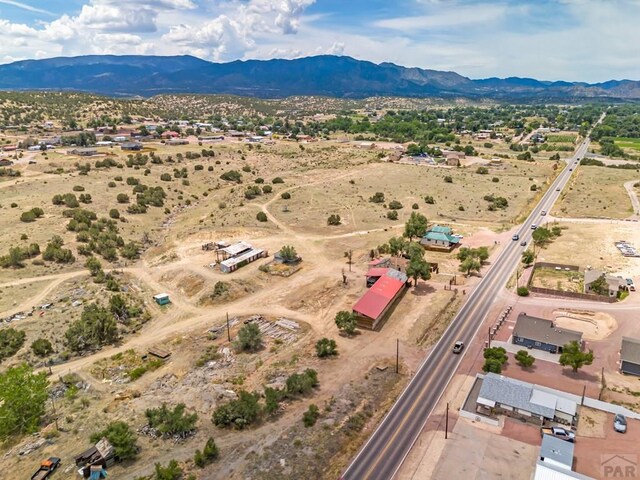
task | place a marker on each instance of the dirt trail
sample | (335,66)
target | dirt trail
(629,186)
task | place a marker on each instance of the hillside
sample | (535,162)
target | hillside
(324,75)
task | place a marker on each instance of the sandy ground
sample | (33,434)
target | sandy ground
(594,326)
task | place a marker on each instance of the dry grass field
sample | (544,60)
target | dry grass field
(596,192)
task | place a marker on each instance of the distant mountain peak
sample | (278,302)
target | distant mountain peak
(329,75)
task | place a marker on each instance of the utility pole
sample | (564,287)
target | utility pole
(228,331)
(489,334)
(397,354)
(446,423)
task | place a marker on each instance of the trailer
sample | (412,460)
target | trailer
(47,467)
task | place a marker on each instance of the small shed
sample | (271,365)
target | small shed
(556,452)
(630,356)
(162,298)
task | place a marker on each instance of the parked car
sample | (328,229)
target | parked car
(559,432)
(458,347)
(620,423)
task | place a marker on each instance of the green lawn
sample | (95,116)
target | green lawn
(561,138)
(624,142)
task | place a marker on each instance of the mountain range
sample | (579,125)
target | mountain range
(324,75)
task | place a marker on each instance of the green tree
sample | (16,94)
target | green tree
(171,422)
(288,253)
(326,347)
(528,257)
(249,338)
(347,322)
(95,328)
(42,347)
(573,356)
(541,236)
(18,416)
(495,358)
(524,359)
(171,472)
(261,217)
(334,219)
(600,286)
(302,383)
(94,266)
(11,340)
(416,226)
(469,265)
(209,454)
(238,413)
(418,268)
(122,437)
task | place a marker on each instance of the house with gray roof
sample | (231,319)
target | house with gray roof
(542,334)
(630,356)
(440,238)
(515,398)
(614,284)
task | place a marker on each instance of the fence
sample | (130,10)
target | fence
(562,293)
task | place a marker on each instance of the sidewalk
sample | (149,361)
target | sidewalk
(537,354)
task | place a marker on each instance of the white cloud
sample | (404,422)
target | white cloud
(453,17)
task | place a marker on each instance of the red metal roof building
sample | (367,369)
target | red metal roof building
(376,302)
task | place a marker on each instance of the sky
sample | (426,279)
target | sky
(573,40)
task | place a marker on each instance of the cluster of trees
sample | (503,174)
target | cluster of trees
(472,259)
(232,176)
(98,325)
(31,215)
(542,236)
(247,409)
(16,256)
(496,203)
(494,359)
(55,253)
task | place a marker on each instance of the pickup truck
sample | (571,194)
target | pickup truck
(559,432)
(47,467)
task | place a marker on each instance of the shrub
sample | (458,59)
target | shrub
(310,417)
(238,413)
(11,340)
(165,177)
(42,347)
(232,176)
(285,195)
(277,180)
(334,220)
(249,338)
(533,187)
(259,180)
(132,181)
(267,189)
(392,215)
(448,179)
(326,347)
(78,188)
(114,213)
(482,170)
(395,205)
(122,198)
(524,359)
(246,168)
(523,291)
(122,437)
(495,179)
(377,197)
(415,206)
(208,455)
(198,167)
(171,422)
(302,383)
(261,217)
(429,200)
(28,217)
(171,472)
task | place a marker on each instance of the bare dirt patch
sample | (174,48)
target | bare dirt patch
(594,325)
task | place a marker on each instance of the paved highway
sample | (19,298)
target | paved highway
(388,446)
